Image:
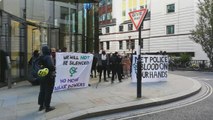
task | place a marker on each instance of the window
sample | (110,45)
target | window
(107,29)
(133,44)
(121,28)
(107,45)
(101,45)
(170,29)
(128,44)
(64,13)
(130,27)
(120,45)
(170,8)
(109,16)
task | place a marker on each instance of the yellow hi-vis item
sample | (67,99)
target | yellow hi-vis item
(43,72)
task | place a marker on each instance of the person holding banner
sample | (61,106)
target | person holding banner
(47,82)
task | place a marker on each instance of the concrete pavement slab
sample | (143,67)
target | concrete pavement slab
(98,99)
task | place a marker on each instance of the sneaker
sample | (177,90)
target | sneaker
(41,108)
(49,109)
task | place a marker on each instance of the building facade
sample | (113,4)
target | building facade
(27,25)
(166,27)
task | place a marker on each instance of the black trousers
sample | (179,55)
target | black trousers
(46,90)
(116,70)
(103,69)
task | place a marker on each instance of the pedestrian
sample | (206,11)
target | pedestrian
(126,66)
(47,82)
(102,65)
(115,62)
(108,65)
(33,80)
(3,66)
(94,66)
(53,53)
(64,49)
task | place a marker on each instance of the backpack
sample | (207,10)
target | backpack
(37,64)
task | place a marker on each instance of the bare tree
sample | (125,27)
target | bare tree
(203,33)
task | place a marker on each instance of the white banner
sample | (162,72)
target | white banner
(154,68)
(72,70)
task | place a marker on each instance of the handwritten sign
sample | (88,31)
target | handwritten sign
(154,68)
(72,70)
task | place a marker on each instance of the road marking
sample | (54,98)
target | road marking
(207,93)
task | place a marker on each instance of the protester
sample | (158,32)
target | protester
(94,66)
(64,49)
(102,65)
(53,53)
(47,82)
(115,62)
(31,78)
(109,67)
(126,66)
(3,66)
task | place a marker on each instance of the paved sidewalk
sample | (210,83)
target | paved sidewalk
(20,102)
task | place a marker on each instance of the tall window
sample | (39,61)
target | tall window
(128,43)
(130,27)
(133,44)
(170,8)
(101,45)
(107,29)
(107,45)
(64,13)
(120,45)
(121,28)
(170,29)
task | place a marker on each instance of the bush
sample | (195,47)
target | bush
(184,58)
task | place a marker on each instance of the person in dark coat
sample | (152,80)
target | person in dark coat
(102,65)
(3,66)
(31,79)
(94,66)
(115,62)
(47,82)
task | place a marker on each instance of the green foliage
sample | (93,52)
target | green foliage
(184,58)
(203,33)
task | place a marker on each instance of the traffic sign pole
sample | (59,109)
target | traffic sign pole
(139,65)
(137,18)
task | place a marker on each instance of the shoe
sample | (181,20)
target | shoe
(49,109)
(120,80)
(106,81)
(41,108)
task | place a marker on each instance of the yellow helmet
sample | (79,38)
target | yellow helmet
(43,72)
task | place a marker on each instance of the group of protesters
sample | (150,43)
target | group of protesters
(111,66)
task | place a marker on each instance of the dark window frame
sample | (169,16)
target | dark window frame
(107,45)
(120,45)
(63,16)
(170,8)
(121,28)
(107,30)
(170,29)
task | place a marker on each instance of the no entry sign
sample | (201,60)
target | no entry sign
(137,17)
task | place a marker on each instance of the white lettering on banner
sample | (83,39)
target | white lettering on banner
(154,68)
(72,70)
